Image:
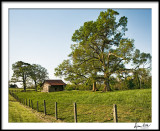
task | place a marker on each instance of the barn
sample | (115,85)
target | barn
(53,85)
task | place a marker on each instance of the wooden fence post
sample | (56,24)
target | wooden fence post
(26,101)
(32,104)
(44,107)
(56,115)
(17,98)
(29,102)
(37,106)
(75,112)
(115,113)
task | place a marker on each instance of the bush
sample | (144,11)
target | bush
(70,87)
(13,86)
(99,87)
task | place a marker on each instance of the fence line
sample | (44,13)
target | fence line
(30,104)
(115,113)
(56,114)
(75,112)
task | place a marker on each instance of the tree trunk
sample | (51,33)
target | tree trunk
(106,75)
(94,86)
(106,84)
(35,85)
(24,82)
(139,82)
(24,85)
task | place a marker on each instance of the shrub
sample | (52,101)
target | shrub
(70,87)
(13,86)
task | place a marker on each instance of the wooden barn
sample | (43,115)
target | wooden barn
(53,85)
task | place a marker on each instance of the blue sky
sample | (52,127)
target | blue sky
(43,36)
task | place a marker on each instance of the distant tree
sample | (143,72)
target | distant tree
(38,74)
(142,60)
(13,86)
(30,83)
(142,67)
(21,72)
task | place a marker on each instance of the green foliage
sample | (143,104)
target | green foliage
(85,86)
(39,87)
(27,73)
(21,72)
(70,87)
(100,48)
(13,86)
(141,59)
(142,78)
(100,51)
(38,74)
(128,84)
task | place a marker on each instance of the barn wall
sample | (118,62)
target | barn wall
(48,88)
(56,88)
(45,87)
(51,89)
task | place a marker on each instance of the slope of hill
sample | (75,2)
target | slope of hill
(132,105)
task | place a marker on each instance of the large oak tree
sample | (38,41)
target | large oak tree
(102,42)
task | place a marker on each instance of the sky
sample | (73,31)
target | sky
(43,36)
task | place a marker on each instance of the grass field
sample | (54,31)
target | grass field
(132,105)
(21,113)
(17,113)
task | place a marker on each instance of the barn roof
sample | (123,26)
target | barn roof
(55,82)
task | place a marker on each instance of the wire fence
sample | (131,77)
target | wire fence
(78,112)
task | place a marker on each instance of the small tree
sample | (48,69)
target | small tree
(21,72)
(38,74)
(13,86)
(142,63)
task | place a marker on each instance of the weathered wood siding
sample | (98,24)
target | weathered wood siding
(45,87)
(51,89)
(56,88)
(48,88)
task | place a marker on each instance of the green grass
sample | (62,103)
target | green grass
(21,113)
(17,112)
(132,105)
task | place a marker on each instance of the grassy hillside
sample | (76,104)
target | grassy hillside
(132,105)
(17,113)
(21,113)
